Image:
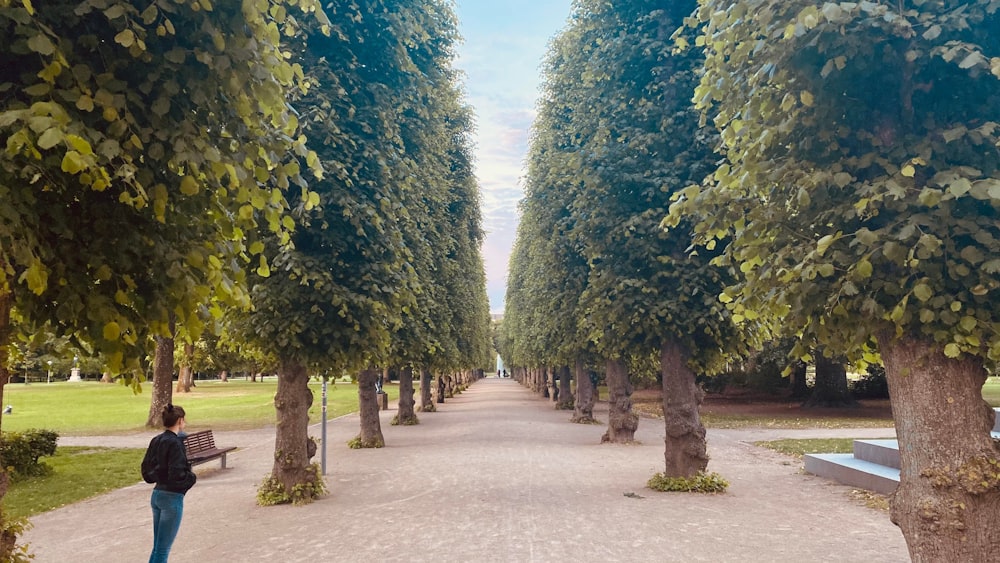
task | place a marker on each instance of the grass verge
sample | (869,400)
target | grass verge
(799,448)
(91,408)
(78,473)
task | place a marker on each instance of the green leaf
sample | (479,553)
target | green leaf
(73,162)
(952,350)
(111,331)
(968,324)
(807,98)
(823,243)
(41,44)
(79,144)
(50,138)
(189,186)
(863,269)
(126,38)
(922,292)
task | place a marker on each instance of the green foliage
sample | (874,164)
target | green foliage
(10,530)
(861,186)
(413,421)
(710,483)
(19,452)
(271,492)
(99,135)
(592,271)
(357,444)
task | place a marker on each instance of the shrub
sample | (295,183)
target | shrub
(20,451)
(700,483)
(10,530)
(272,492)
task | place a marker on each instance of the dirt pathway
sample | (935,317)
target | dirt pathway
(496,476)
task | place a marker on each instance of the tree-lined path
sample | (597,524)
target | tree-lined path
(496,475)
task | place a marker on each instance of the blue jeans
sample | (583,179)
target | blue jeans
(167,511)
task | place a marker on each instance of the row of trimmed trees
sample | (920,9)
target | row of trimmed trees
(295,177)
(704,176)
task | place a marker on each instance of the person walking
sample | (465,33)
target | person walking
(173,476)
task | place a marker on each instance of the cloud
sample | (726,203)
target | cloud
(503,50)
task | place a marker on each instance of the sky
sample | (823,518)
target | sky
(501,56)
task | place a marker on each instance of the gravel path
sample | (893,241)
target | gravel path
(497,475)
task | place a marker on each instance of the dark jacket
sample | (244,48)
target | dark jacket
(175,474)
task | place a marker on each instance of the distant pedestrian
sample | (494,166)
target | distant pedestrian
(166,464)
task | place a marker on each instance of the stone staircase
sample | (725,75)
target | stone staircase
(874,464)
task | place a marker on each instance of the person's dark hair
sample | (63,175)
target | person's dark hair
(171,414)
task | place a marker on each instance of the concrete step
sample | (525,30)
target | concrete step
(882,452)
(845,469)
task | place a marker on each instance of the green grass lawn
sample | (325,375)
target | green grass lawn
(91,408)
(799,448)
(78,473)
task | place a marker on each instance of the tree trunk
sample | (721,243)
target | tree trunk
(948,500)
(371,428)
(405,414)
(439,388)
(830,390)
(565,390)
(583,410)
(622,422)
(163,376)
(224,376)
(799,385)
(185,377)
(426,397)
(292,450)
(8,539)
(686,451)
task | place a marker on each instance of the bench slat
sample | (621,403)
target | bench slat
(200,447)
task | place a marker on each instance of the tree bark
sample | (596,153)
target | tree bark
(371,428)
(224,376)
(565,390)
(830,390)
(163,376)
(799,385)
(622,422)
(185,377)
(404,413)
(686,452)
(583,410)
(106,377)
(292,450)
(439,388)
(948,500)
(426,397)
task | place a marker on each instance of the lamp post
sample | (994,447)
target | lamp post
(49,379)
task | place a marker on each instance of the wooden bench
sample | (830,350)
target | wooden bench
(200,447)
